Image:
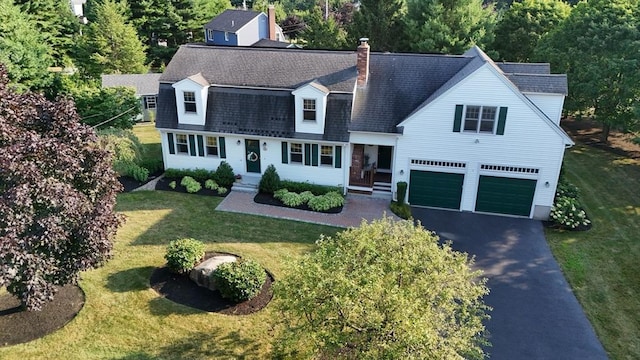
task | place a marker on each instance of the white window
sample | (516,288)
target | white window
(182,144)
(190,102)
(150,102)
(296,153)
(226,36)
(212,146)
(326,155)
(480,119)
(209,34)
(309,109)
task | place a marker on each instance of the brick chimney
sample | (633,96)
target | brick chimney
(271,15)
(362,63)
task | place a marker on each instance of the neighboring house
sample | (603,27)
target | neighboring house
(76,7)
(464,132)
(146,87)
(242,28)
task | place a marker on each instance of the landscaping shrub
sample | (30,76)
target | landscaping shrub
(327,201)
(184,254)
(299,187)
(240,280)
(270,180)
(201,175)
(224,175)
(153,165)
(567,189)
(292,199)
(172,184)
(403,210)
(211,184)
(222,190)
(192,185)
(402,191)
(567,212)
(306,196)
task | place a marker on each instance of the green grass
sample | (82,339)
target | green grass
(602,264)
(150,139)
(124,319)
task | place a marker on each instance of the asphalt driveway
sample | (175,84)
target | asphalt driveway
(535,314)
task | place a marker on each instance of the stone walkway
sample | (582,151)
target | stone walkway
(356,208)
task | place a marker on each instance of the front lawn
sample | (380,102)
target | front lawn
(124,319)
(602,264)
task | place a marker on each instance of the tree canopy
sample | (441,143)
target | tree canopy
(522,26)
(57,196)
(381,22)
(598,46)
(385,290)
(23,49)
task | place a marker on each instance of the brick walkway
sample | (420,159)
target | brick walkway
(356,208)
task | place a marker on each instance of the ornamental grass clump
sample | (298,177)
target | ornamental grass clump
(239,281)
(184,254)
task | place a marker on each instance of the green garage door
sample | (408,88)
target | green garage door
(505,195)
(436,189)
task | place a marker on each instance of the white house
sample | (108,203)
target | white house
(465,133)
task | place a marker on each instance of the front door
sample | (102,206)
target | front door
(384,157)
(253,155)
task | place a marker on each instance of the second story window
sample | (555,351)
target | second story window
(190,101)
(309,109)
(480,119)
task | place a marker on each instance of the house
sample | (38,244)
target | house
(145,86)
(242,28)
(77,7)
(464,132)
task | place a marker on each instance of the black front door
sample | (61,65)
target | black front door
(384,157)
(253,155)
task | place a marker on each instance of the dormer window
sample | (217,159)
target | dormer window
(190,102)
(309,109)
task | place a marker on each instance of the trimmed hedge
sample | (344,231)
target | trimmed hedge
(184,254)
(300,187)
(240,280)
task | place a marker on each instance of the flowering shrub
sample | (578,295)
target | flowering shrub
(567,212)
(567,189)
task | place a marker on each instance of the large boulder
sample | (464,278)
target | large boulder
(200,274)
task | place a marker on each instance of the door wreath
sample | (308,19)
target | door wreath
(252,156)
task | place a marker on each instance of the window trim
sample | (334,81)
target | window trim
(147,102)
(308,110)
(179,144)
(291,153)
(226,36)
(189,101)
(207,146)
(480,119)
(331,155)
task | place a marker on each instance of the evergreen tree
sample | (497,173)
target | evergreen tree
(322,34)
(23,49)
(448,26)
(381,22)
(521,27)
(598,46)
(112,45)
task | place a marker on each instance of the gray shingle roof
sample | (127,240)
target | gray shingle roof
(525,68)
(549,84)
(271,113)
(263,68)
(267,43)
(231,20)
(145,84)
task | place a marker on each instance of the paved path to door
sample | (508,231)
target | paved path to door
(356,208)
(535,314)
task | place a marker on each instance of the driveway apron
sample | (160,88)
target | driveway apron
(535,314)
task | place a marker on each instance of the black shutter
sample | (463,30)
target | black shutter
(285,153)
(502,119)
(457,120)
(314,154)
(307,154)
(192,145)
(338,157)
(172,147)
(222,149)
(200,145)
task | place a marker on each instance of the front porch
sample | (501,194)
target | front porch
(370,170)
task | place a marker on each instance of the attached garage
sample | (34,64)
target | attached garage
(504,195)
(435,189)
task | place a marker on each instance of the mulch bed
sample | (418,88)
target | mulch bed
(19,326)
(163,184)
(129,184)
(182,290)
(268,199)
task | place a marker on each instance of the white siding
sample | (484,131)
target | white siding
(201,97)
(550,104)
(250,33)
(307,126)
(527,142)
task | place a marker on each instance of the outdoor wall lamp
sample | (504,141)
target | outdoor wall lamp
(238,142)
(264,146)
(546,184)
(401,172)
(477,141)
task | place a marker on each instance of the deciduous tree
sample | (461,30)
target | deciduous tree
(448,26)
(322,34)
(385,290)
(521,27)
(57,196)
(598,46)
(381,22)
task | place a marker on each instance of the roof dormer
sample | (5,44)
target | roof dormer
(191,99)
(311,107)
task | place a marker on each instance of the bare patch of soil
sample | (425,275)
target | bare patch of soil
(587,131)
(20,326)
(182,290)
